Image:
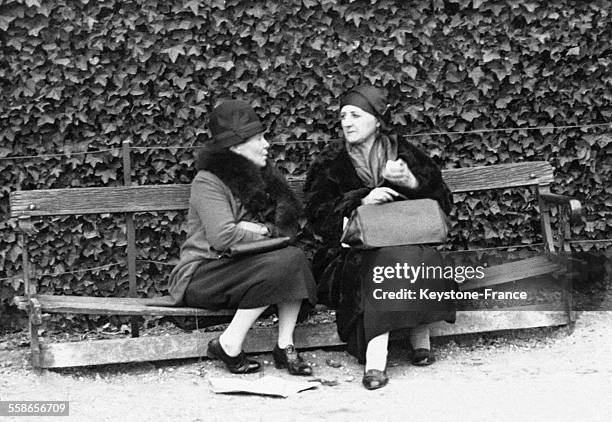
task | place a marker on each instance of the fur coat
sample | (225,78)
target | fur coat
(333,190)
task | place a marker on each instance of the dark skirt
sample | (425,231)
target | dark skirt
(374,313)
(253,281)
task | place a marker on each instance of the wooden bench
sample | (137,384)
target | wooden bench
(26,205)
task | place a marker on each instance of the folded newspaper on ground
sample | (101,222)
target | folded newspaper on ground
(265,386)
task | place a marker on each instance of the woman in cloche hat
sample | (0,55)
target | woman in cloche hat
(238,197)
(373,164)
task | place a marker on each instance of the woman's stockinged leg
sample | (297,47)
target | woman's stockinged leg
(421,346)
(232,338)
(375,375)
(287,317)
(376,352)
(419,337)
(284,354)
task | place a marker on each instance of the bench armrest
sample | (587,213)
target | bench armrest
(574,205)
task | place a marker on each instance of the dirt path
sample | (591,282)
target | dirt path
(542,374)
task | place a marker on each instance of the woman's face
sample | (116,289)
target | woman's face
(358,125)
(255,149)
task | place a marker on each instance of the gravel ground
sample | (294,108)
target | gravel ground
(552,374)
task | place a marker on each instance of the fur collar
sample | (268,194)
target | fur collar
(262,191)
(334,164)
(244,179)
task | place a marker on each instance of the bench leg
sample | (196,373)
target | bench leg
(564,281)
(35,315)
(568,300)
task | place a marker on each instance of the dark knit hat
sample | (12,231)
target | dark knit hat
(368,98)
(233,122)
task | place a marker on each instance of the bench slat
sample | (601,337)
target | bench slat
(258,340)
(56,304)
(498,176)
(100,200)
(178,346)
(512,271)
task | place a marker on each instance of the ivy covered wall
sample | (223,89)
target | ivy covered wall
(79,76)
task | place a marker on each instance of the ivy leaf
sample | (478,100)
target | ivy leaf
(410,71)
(37,26)
(93,159)
(503,102)
(489,56)
(194,6)
(470,115)
(181,82)
(174,52)
(44,119)
(90,233)
(531,7)
(16,283)
(225,63)
(476,74)
(63,62)
(5,21)
(106,175)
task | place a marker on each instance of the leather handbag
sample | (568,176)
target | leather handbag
(409,222)
(259,246)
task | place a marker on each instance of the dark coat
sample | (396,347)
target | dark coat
(333,190)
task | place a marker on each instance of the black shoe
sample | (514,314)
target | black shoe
(289,358)
(373,379)
(422,357)
(235,364)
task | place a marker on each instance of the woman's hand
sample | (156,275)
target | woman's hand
(398,173)
(379,196)
(254,227)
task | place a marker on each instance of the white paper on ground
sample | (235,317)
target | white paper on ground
(265,386)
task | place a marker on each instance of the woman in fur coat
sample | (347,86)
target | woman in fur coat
(373,165)
(238,197)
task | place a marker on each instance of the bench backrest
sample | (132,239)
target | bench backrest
(102,200)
